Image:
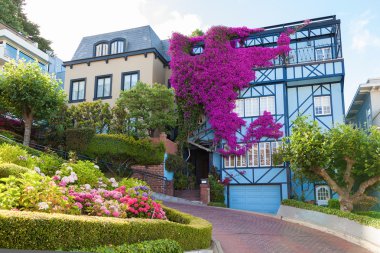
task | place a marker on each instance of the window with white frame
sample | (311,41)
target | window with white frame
(323,53)
(267,104)
(239,107)
(101,49)
(265,154)
(77,90)
(103,87)
(251,107)
(241,160)
(275,148)
(229,161)
(117,47)
(253,155)
(322,105)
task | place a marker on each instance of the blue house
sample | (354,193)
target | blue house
(309,82)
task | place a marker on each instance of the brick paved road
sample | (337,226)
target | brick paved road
(241,232)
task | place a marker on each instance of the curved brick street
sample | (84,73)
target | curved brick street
(241,232)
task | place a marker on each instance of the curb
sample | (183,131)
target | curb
(360,242)
(216,247)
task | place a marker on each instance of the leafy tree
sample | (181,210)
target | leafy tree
(197,32)
(146,109)
(347,158)
(30,93)
(12,14)
(96,115)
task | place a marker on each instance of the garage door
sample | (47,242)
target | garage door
(257,198)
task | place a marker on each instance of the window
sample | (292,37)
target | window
(103,87)
(77,90)
(253,156)
(322,105)
(129,80)
(42,66)
(117,47)
(101,49)
(323,53)
(275,148)
(251,107)
(197,50)
(241,160)
(239,107)
(267,104)
(265,155)
(10,51)
(26,57)
(229,161)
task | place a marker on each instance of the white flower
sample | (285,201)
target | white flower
(42,174)
(43,206)
(65,180)
(96,166)
(38,170)
(58,172)
(87,186)
(112,180)
(74,176)
(69,168)
(115,184)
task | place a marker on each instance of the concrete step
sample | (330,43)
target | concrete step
(167,198)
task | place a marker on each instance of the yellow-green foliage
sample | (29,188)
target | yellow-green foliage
(15,154)
(8,169)
(87,172)
(34,230)
(132,182)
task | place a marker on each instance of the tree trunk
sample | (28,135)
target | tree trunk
(28,120)
(346,204)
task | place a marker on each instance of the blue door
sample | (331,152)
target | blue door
(257,198)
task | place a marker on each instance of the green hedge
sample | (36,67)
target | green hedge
(373,214)
(365,220)
(42,231)
(30,150)
(8,169)
(118,147)
(155,246)
(77,139)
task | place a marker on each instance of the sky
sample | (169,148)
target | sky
(66,22)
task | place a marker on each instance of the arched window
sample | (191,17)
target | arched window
(117,47)
(101,49)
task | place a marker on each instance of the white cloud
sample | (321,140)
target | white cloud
(66,22)
(362,37)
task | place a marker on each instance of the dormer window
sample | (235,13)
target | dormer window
(117,47)
(101,49)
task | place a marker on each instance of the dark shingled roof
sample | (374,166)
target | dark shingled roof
(139,38)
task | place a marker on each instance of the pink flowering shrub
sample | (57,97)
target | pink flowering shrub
(120,202)
(211,80)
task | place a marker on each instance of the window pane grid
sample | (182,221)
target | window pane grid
(322,105)
(103,87)
(130,80)
(77,92)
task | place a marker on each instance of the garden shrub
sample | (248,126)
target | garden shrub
(77,139)
(120,148)
(30,150)
(49,163)
(334,204)
(175,163)
(216,190)
(42,231)
(373,214)
(132,182)
(365,220)
(181,181)
(155,246)
(365,204)
(11,135)
(87,172)
(15,154)
(11,169)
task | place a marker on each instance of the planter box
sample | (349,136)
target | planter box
(366,236)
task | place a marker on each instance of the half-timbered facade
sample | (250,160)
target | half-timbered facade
(309,82)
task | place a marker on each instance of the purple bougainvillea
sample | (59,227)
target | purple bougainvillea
(211,80)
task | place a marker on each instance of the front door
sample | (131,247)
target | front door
(322,195)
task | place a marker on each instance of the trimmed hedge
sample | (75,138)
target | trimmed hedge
(365,220)
(156,246)
(10,169)
(118,147)
(77,139)
(43,231)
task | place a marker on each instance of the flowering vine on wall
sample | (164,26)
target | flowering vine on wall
(209,82)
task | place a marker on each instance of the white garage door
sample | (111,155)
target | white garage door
(257,198)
